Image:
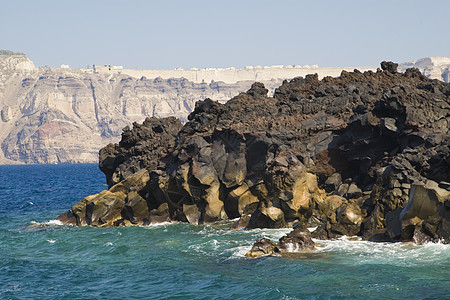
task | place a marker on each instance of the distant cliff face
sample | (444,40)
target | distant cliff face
(433,67)
(52,115)
(15,63)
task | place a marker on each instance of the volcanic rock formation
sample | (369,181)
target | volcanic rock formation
(363,154)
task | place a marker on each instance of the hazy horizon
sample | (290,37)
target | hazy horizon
(205,34)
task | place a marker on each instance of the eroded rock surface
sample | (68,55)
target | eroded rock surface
(342,154)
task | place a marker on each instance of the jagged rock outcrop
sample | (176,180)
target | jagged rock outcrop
(348,155)
(141,147)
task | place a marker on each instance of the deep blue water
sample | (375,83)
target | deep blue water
(181,261)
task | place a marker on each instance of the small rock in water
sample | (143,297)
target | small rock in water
(298,240)
(263,247)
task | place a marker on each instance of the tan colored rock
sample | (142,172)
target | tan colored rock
(102,210)
(335,201)
(424,216)
(192,213)
(136,208)
(214,210)
(206,175)
(137,181)
(301,195)
(243,196)
(160,214)
(424,201)
(79,209)
(350,214)
(272,212)
(311,182)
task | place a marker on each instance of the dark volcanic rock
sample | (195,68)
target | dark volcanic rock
(389,66)
(263,247)
(141,147)
(298,240)
(344,154)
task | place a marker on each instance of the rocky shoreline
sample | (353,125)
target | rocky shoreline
(364,154)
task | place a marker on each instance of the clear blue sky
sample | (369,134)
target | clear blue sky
(168,34)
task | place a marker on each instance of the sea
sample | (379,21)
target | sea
(42,259)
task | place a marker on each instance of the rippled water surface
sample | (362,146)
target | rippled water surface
(181,261)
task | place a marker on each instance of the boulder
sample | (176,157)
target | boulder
(103,210)
(333,182)
(241,197)
(160,214)
(297,240)
(267,217)
(425,216)
(68,218)
(349,216)
(353,191)
(389,66)
(192,213)
(263,247)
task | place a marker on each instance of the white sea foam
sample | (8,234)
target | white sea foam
(163,224)
(239,252)
(54,222)
(48,223)
(273,234)
(358,251)
(401,254)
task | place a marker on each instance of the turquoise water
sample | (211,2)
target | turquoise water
(181,261)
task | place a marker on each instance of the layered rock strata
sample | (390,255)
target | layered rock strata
(54,115)
(362,154)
